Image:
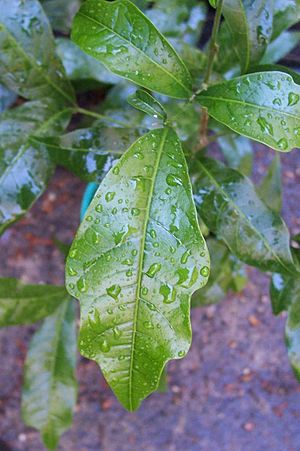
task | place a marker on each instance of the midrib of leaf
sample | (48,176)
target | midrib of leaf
(257,232)
(141,263)
(38,68)
(76,149)
(144,54)
(251,105)
(24,148)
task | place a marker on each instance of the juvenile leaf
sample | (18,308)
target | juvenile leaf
(238,152)
(278,68)
(250,24)
(143,101)
(7,98)
(50,388)
(229,206)
(89,153)
(137,258)
(264,106)
(22,304)
(286,14)
(80,66)
(28,64)
(270,189)
(120,36)
(24,169)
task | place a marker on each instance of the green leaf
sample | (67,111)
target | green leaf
(50,388)
(264,106)
(238,152)
(80,66)
(286,14)
(270,189)
(280,292)
(213,3)
(278,68)
(194,59)
(28,64)
(227,273)
(24,169)
(61,13)
(89,153)
(7,98)
(120,36)
(280,47)
(292,329)
(22,304)
(137,258)
(229,206)
(143,101)
(250,24)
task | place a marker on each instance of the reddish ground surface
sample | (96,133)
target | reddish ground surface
(233,392)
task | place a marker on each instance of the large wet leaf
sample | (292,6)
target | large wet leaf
(28,64)
(229,206)
(24,169)
(137,258)
(250,24)
(120,36)
(89,153)
(264,106)
(21,303)
(50,388)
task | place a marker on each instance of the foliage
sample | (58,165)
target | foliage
(139,257)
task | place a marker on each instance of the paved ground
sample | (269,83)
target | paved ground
(233,392)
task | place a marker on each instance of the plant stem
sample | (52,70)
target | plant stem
(100,116)
(213,51)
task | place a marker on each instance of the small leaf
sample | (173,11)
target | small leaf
(121,37)
(213,3)
(28,64)
(229,206)
(238,152)
(89,153)
(80,66)
(143,101)
(264,106)
(277,68)
(250,24)
(24,169)
(137,258)
(281,47)
(286,14)
(22,304)
(292,330)
(270,189)
(280,292)
(50,388)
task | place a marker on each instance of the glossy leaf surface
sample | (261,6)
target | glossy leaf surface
(121,37)
(264,106)
(228,204)
(280,47)
(238,152)
(137,258)
(80,66)
(50,388)
(22,304)
(143,101)
(250,24)
(270,189)
(90,152)
(24,169)
(28,64)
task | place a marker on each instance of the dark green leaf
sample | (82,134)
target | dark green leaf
(50,388)
(281,46)
(250,24)
(228,204)
(28,64)
(238,152)
(143,101)
(24,169)
(292,330)
(137,258)
(213,3)
(264,106)
(126,42)
(89,153)
(286,14)
(61,13)
(80,66)
(270,189)
(21,303)
(7,98)
(281,288)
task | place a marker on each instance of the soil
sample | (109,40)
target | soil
(234,391)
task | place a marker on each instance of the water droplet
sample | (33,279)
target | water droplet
(152,233)
(116,170)
(173,180)
(71,271)
(73,253)
(185,256)
(135,211)
(134,252)
(265,126)
(282,144)
(114,291)
(153,270)
(99,208)
(181,353)
(293,99)
(89,218)
(127,261)
(104,346)
(71,286)
(277,101)
(129,273)
(109,196)
(168,294)
(144,291)
(117,332)
(82,285)
(204,271)
(148,325)
(297,131)
(139,155)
